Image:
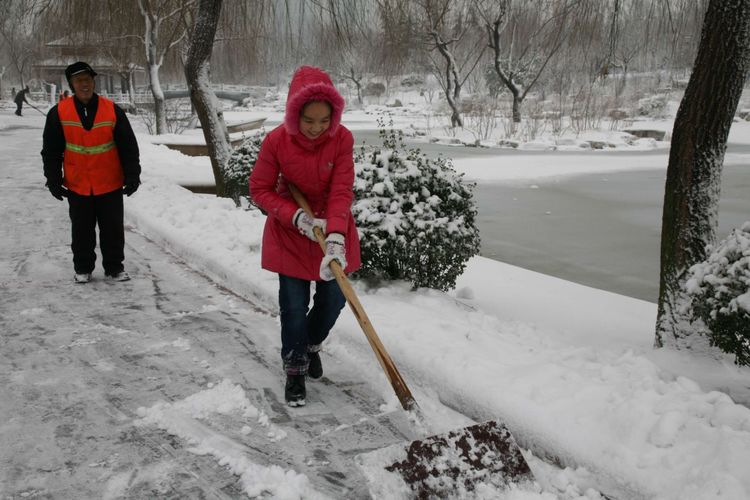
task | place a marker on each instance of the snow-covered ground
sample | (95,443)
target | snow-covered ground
(569,369)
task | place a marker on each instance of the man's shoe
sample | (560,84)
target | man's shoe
(315,370)
(121,276)
(294,392)
(82,277)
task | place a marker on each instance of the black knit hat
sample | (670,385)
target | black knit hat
(77,68)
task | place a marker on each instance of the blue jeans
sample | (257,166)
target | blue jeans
(303,330)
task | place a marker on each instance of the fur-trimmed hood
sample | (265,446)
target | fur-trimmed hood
(312,84)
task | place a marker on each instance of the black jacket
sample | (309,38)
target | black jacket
(53,141)
(21,96)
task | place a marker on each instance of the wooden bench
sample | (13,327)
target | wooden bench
(244,126)
(197,149)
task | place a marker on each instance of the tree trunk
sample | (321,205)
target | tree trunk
(131,89)
(517,100)
(696,157)
(493,31)
(357,82)
(201,95)
(452,81)
(456,120)
(160,107)
(151,41)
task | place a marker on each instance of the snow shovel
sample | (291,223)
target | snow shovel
(32,106)
(442,465)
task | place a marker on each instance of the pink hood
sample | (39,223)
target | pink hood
(311,84)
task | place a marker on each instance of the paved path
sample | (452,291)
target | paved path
(77,361)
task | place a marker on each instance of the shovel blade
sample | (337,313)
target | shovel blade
(458,462)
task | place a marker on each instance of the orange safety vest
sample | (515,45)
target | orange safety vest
(91,164)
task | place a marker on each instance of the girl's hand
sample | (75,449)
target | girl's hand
(305,224)
(335,250)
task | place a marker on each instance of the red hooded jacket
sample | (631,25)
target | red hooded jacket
(322,168)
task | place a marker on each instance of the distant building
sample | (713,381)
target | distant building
(112,75)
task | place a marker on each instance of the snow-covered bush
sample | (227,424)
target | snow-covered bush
(653,106)
(415,215)
(375,89)
(240,165)
(412,81)
(719,289)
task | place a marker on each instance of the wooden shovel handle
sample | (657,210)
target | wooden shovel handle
(391,372)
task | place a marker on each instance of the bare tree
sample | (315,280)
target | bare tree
(159,26)
(699,140)
(354,72)
(394,41)
(444,35)
(121,51)
(164,28)
(351,51)
(203,98)
(17,29)
(537,32)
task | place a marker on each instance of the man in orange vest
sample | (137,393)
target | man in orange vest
(91,158)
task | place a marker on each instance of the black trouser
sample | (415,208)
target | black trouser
(85,213)
(19,107)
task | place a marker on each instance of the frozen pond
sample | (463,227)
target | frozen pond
(600,230)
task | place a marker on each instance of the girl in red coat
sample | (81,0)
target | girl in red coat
(313,151)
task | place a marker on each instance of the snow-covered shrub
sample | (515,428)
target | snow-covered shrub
(481,115)
(653,106)
(719,288)
(375,89)
(240,165)
(412,81)
(415,215)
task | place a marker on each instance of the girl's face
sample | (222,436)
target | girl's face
(315,119)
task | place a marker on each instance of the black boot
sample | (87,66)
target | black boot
(294,392)
(315,370)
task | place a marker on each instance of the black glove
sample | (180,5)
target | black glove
(57,190)
(131,185)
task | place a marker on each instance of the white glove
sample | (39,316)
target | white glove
(305,224)
(335,250)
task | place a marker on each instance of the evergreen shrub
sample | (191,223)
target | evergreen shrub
(719,288)
(415,215)
(240,165)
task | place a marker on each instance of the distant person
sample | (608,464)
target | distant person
(63,95)
(20,99)
(91,157)
(313,151)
